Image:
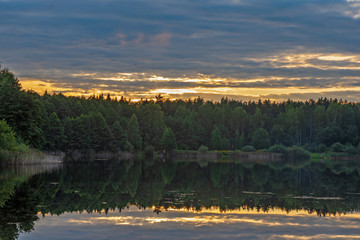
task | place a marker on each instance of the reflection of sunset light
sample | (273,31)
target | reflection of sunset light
(217,210)
(209,217)
(138,222)
(317,236)
(198,220)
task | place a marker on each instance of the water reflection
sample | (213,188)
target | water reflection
(132,223)
(201,191)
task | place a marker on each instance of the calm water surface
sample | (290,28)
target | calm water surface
(148,199)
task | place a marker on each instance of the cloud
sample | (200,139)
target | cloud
(162,39)
(345,95)
(288,44)
(353,9)
(348,8)
(141,40)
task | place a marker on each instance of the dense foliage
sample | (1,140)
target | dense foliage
(7,137)
(57,122)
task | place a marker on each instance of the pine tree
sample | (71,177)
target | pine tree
(168,140)
(216,139)
(119,136)
(54,133)
(134,136)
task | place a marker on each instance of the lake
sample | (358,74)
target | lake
(182,199)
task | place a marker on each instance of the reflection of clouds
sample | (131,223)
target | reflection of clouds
(196,220)
(317,236)
(211,216)
(207,223)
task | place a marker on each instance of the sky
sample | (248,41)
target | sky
(240,49)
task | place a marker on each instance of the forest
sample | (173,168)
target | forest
(54,122)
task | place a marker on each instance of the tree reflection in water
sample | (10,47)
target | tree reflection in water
(327,189)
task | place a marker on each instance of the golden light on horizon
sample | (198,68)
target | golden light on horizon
(142,85)
(41,86)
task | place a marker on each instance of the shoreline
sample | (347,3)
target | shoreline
(34,157)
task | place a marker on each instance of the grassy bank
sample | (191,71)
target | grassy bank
(31,157)
(274,153)
(92,155)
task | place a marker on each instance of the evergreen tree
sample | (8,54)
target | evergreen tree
(81,128)
(54,133)
(99,132)
(119,136)
(239,120)
(168,140)
(134,136)
(69,139)
(257,119)
(216,139)
(152,123)
(238,141)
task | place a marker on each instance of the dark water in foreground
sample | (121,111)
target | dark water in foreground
(147,199)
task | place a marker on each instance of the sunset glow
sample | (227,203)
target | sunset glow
(236,49)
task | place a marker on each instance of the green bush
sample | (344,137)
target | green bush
(149,151)
(248,148)
(260,139)
(168,140)
(128,147)
(350,149)
(7,137)
(338,147)
(23,148)
(321,148)
(203,149)
(278,149)
(297,153)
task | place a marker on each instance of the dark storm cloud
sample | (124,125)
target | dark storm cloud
(230,39)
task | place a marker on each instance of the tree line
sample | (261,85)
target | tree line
(104,123)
